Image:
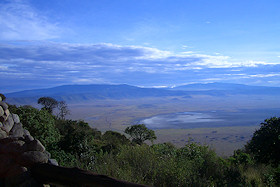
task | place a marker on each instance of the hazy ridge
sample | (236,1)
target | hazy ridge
(83,93)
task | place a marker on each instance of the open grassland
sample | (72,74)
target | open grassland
(224,140)
(118,114)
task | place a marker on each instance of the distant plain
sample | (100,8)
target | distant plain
(235,117)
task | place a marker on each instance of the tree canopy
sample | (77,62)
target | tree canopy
(48,103)
(265,143)
(140,133)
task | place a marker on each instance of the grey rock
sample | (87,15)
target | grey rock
(53,162)
(15,147)
(3,134)
(28,138)
(34,145)
(4,105)
(17,130)
(8,140)
(15,170)
(26,133)
(8,124)
(48,154)
(15,118)
(30,158)
(3,118)
(7,112)
(1,111)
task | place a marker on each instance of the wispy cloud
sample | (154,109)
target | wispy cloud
(58,63)
(19,21)
(266,75)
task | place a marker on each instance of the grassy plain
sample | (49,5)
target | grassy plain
(118,114)
(224,140)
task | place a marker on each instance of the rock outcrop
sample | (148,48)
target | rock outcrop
(19,151)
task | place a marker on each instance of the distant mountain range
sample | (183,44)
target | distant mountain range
(83,93)
(227,88)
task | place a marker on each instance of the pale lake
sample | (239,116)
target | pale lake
(205,119)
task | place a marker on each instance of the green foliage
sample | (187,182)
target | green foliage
(140,133)
(165,149)
(165,165)
(39,123)
(265,143)
(276,175)
(78,144)
(64,158)
(241,158)
(77,137)
(48,103)
(207,167)
(113,140)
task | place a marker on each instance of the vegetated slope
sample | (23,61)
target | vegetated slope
(79,93)
(227,88)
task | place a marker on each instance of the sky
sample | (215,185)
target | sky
(148,43)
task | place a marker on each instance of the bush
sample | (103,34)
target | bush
(77,137)
(39,123)
(113,141)
(165,165)
(265,143)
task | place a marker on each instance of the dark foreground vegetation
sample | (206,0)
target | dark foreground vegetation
(75,144)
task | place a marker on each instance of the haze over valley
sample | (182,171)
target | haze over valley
(231,111)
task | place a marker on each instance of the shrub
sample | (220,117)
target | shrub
(40,124)
(165,165)
(265,143)
(113,141)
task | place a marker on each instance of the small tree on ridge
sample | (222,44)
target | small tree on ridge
(48,103)
(140,133)
(62,109)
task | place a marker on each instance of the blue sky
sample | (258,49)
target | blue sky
(138,42)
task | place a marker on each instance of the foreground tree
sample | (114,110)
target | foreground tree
(48,103)
(140,133)
(265,143)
